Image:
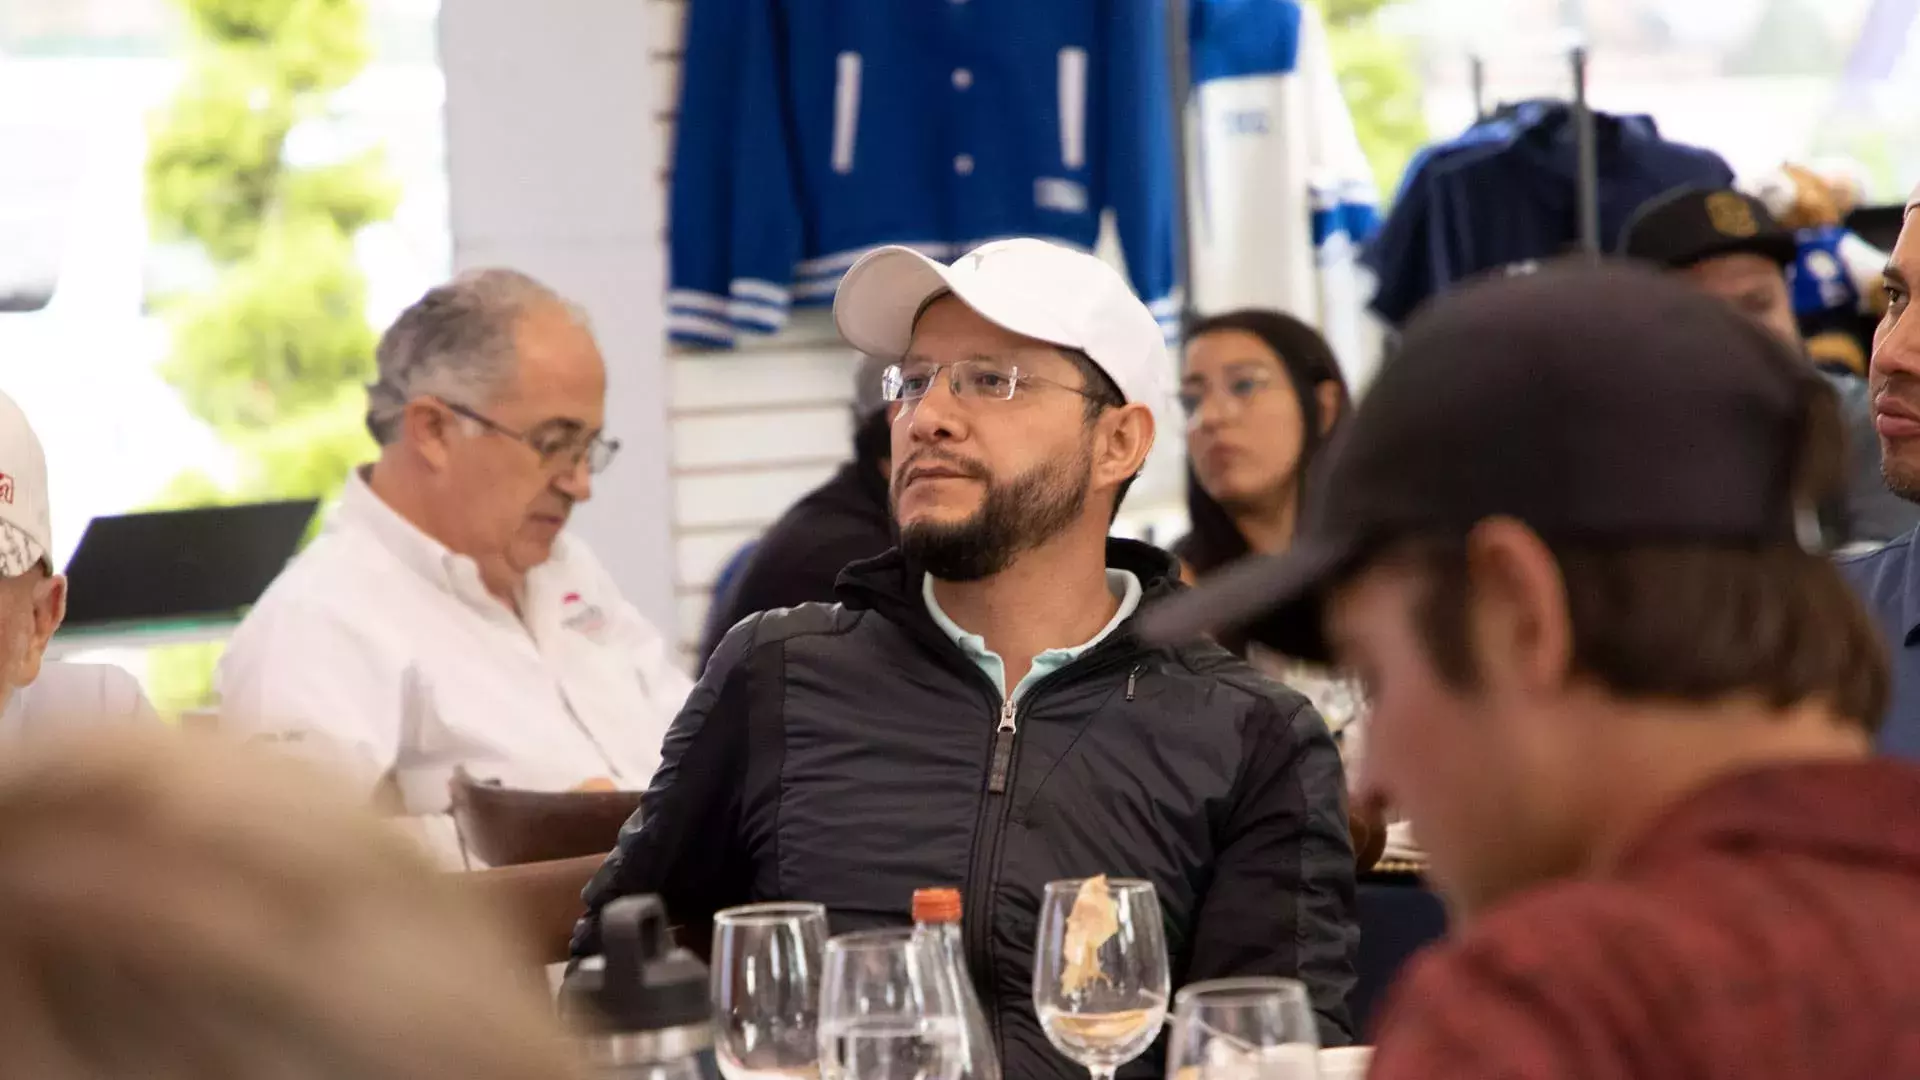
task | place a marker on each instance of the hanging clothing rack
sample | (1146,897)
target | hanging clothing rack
(1587,195)
(1180,88)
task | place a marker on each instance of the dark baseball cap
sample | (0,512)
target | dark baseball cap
(1595,403)
(1690,225)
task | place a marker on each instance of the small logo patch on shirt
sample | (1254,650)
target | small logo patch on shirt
(6,489)
(581,617)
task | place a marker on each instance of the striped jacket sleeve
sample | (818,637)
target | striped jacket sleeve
(1345,199)
(1345,205)
(1139,166)
(766,212)
(700,196)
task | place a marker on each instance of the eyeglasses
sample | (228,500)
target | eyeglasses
(561,444)
(1240,389)
(968,379)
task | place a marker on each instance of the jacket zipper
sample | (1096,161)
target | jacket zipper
(1003,748)
(976,924)
(983,870)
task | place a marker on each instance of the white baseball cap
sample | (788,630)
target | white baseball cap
(1039,290)
(26,525)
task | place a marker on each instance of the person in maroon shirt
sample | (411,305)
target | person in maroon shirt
(1570,547)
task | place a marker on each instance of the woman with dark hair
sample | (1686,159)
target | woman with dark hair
(1262,394)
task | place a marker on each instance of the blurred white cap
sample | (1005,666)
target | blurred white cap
(26,524)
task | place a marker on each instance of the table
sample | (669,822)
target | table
(1398,916)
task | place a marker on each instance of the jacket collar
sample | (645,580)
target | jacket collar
(890,585)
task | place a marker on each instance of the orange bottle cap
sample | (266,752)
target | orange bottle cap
(936,905)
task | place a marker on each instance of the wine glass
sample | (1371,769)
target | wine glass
(888,1010)
(1100,971)
(1243,1029)
(765,990)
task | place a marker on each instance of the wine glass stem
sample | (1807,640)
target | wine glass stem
(1100,1074)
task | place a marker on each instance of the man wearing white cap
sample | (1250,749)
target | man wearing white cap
(976,711)
(38,697)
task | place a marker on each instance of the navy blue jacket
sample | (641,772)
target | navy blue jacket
(1503,196)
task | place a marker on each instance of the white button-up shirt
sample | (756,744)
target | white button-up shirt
(70,698)
(381,649)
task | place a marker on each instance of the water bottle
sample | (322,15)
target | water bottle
(937,912)
(642,1003)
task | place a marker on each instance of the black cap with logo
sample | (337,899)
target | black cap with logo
(1690,225)
(1593,403)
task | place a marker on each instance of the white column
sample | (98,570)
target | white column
(554,160)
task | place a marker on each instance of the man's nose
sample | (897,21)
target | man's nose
(937,415)
(576,480)
(1896,349)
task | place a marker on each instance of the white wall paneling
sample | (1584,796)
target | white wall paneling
(701,553)
(554,163)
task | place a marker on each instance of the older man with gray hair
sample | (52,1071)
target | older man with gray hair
(444,620)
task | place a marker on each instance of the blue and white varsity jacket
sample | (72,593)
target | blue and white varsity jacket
(812,131)
(1282,196)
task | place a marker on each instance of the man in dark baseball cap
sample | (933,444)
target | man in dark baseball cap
(1727,243)
(1568,547)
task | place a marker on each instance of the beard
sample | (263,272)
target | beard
(1900,480)
(1015,516)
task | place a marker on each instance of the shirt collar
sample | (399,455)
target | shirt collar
(1909,593)
(363,510)
(1123,584)
(1827,808)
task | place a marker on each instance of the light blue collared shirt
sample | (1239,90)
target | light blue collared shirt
(1125,588)
(1887,581)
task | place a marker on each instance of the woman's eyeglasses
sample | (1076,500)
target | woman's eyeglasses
(1239,389)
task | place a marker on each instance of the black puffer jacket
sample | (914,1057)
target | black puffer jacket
(849,754)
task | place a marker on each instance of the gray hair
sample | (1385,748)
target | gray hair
(455,343)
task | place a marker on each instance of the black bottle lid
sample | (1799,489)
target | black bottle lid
(644,983)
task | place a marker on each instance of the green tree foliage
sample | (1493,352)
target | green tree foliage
(1381,82)
(274,351)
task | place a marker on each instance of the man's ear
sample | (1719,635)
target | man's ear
(426,426)
(1125,439)
(49,611)
(1518,615)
